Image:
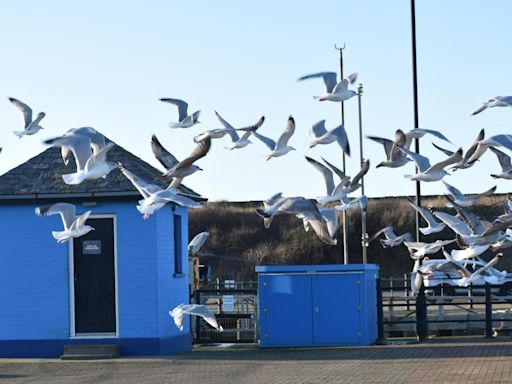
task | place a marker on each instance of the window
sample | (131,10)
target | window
(178,259)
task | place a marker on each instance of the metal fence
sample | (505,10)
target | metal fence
(475,310)
(236,311)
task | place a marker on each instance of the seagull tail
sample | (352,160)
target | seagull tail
(495,176)
(60,236)
(18,133)
(316,97)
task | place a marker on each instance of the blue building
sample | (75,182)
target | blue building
(114,285)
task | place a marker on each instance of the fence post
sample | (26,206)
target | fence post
(421,315)
(488,311)
(381,340)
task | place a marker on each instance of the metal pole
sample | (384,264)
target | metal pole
(364,235)
(415,97)
(344,217)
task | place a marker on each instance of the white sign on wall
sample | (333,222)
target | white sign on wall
(228,303)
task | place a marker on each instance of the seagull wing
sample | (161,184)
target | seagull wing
(182,107)
(288,132)
(78,144)
(363,171)
(328,77)
(199,151)
(170,195)
(341,138)
(425,213)
(326,173)
(202,311)
(455,224)
(455,158)
(253,127)
(503,158)
(422,162)
(352,78)
(445,151)
(456,193)
(162,155)
(266,140)
(388,144)
(25,109)
(65,210)
(342,86)
(318,129)
(99,157)
(432,132)
(197,242)
(335,169)
(80,221)
(144,188)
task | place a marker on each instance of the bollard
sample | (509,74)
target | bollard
(381,340)
(421,315)
(488,311)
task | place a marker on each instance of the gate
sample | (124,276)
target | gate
(236,311)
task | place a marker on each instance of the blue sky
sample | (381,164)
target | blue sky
(106,64)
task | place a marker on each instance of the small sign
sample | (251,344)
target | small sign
(228,303)
(229,284)
(91,247)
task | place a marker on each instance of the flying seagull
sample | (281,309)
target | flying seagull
(333,91)
(178,170)
(73,227)
(429,172)
(506,166)
(323,136)
(433,225)
(464,163)
(155,197)
(90,166)
(301,207)
(184,120)
(194,309)
(231,131)
(394,157)
(498,101)
(280,148)
(461,199)
(31,126)
(502,140)
(391,240)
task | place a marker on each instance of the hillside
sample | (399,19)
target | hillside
(238,240)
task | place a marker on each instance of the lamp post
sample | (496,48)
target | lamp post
(344,216)
(416,120)
(364,235)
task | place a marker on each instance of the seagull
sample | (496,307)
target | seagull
(394,157)
(426,171)
(231,131)
(184,120)
(194,309)
(506,166)
(73,227)
(280,148)
(361,202)
(418,133)
(155,197)
(197,242)
(178,170)
(491,278)
(97,141)
(502,140)
(391,240)
(90,166)
(464,163)
(507,207)
(333,91)
(469,252)
(302,208)
(31,126)
(498,101)
(462,200)
(322,136)
(433,225)
(417,249)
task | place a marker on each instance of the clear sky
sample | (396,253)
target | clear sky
(105,64)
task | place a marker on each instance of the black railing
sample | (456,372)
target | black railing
(399,308)
(236,311)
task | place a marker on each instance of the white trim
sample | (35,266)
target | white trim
(72,332)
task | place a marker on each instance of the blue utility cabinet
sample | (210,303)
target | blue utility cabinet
(317,305)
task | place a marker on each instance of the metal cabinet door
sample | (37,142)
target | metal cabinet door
(287,310)
(336,308)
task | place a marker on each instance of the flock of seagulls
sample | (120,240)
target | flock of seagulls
(474,236)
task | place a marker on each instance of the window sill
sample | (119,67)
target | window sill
(179,275)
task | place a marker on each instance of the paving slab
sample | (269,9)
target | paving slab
(446,360)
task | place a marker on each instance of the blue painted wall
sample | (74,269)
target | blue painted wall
(34,281)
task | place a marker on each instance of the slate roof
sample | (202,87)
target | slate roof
(41,177)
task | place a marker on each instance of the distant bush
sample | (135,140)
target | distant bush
(238,240)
